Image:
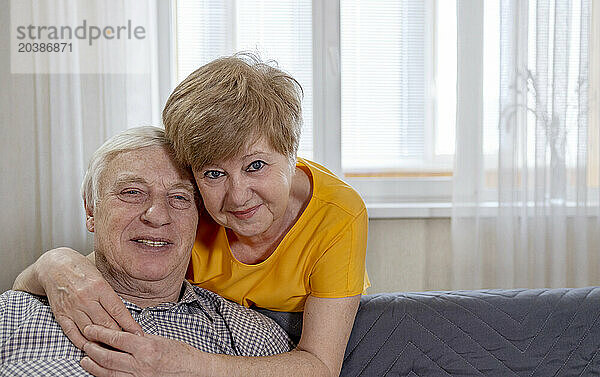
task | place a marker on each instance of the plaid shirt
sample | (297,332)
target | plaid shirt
(33,344)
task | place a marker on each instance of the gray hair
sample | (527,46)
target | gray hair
(128,140)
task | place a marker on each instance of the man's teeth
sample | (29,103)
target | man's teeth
(153,243)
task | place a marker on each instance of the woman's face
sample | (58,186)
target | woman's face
(249,193)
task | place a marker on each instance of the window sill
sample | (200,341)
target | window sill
(409,210)
(432,210)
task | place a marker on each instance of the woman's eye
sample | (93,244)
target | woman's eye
(256,165)
(213,174)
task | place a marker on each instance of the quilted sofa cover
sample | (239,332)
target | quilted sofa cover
(523,332)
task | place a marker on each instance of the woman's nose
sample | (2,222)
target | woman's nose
(239,191)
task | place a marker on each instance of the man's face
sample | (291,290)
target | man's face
(146,217)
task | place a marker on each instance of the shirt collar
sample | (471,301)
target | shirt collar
(189,295)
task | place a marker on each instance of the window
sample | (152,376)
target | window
(392,119)
(492,84)
(395,127)
(275,29)
(379,79)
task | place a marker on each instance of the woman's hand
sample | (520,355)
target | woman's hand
(327,326)
(137,355)
(78,294)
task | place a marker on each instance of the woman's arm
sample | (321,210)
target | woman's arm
(326,329)
(77,293)
(27,280)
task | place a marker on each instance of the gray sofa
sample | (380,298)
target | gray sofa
(521,332)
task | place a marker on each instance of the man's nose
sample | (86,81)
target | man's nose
(157,212)
(239,191)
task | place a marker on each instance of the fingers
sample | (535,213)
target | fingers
(80,318)
(116,339)
(109,359)
(71,331)
(104,307)
(94,368)
(73,326)
(147,355)
(100,316)
(75,288)
(113,306)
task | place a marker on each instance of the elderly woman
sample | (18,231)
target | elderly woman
(279,232)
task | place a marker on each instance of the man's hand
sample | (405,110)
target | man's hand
(136,355)
(78,294)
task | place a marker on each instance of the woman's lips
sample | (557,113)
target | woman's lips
(245,214)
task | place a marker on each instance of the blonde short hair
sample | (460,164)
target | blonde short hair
(128,140)
(230,102)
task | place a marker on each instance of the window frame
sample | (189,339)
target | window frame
(385,193)
(408,193)
(166,41)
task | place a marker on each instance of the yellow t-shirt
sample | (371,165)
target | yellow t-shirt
(322,255)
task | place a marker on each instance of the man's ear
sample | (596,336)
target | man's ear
(89,216)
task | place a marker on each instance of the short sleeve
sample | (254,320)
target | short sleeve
(9,319)
(340,271)
(4,330)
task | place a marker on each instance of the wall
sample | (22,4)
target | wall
(416,254)
(19,225)
(402,255)
(409,255)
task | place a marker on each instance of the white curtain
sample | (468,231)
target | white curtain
(52,123)
(525,211)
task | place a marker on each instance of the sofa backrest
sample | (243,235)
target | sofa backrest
(539,332)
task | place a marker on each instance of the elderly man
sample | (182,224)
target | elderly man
(141,206)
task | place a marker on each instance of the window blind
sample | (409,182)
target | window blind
(384,47)
(279,30)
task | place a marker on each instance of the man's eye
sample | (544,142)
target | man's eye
(132,195)
(131,192)
(213,174)
(180,201)
(256,165)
